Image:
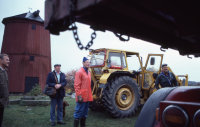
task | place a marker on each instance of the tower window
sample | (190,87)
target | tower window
(33,27)
(31,58)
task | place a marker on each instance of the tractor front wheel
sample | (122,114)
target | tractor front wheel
(121,97)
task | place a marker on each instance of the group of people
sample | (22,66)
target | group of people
(82,86)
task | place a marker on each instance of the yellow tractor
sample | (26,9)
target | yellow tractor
(120,83)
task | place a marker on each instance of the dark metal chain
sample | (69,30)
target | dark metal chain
(121,38)
(74,29)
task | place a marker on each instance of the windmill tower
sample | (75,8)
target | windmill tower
(28,45)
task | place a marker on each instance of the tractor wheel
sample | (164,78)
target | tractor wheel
(95,106)
(121,97)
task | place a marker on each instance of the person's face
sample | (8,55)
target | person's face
(165,69)
(86,64)
(5,62)
(57,68)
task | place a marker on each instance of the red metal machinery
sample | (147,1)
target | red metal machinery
(171,107)
(28,45)
(171,24)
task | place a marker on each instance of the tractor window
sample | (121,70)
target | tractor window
(153,66)
(97,59)
(133,63)
(115,59)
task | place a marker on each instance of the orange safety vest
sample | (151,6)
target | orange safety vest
(82,85)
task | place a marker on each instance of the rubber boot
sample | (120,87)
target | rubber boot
(76,122)
(82,122)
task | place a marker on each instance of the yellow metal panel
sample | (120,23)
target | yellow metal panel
(104,78)
(117,50)
(140,63)
(98,75)
(92,75)
(98,78)
(151,72)
(178,80)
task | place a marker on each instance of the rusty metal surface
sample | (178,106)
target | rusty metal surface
(189,107)
(168,24)
(20,42)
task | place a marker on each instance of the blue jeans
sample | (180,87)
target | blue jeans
(59,103)
(81,110)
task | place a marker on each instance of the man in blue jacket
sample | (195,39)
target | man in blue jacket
(165,78)
(57,80)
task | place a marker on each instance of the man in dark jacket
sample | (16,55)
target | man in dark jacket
(4,93)
(57,80)
(165,78)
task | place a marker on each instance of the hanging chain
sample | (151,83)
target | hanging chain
(121,38)
(74,29)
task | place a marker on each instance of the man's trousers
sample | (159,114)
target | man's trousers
(1,115)
(59,103)
(81,110)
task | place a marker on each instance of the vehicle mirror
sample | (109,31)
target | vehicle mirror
(108,61)
(152,61)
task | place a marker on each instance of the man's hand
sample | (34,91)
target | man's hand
(80,99)
(57,86)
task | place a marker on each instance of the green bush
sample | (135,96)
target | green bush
(71,85)
(36,90)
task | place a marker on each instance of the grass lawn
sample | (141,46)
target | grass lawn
(19,116)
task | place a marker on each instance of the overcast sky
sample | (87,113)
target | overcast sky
(65,51)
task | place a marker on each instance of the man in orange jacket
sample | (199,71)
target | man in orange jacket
(83,91)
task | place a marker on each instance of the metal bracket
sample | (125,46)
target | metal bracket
(189,57)
(161,48)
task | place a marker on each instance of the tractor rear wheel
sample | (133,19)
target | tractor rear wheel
(121,97)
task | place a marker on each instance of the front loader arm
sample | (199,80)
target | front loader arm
(179,80)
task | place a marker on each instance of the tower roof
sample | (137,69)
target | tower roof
(30,16)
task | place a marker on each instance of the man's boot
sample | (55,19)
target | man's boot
(76,122)
(83,121)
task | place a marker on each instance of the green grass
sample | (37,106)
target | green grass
(15,97)
(19,116)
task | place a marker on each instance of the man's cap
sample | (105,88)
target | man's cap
(164,65)
(57,65)
(84,59)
